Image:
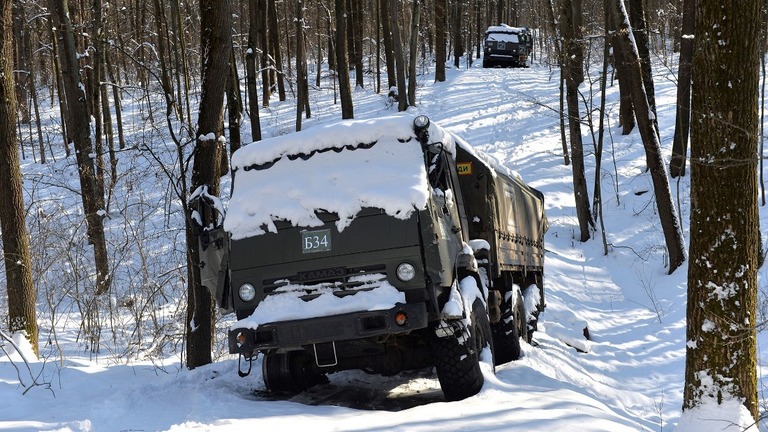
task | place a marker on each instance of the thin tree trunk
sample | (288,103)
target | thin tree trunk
(458,44)
(234,104)
(670,222)
(301,64)
(275,43)
(58,77)
(441,7)
(416,15)
(264,46)
(620,64)
(93,76)
(251,74)
(558,44)
(357,37)
(79,131)
(181,59)
(683,106)
(637,21)
(378,46)
(389,49)
(118,104)
(402,101)
(107,116)
(342,61)
(21,55)
(597,207)
(574,75)
(36,105)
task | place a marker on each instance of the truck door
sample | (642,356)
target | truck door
(446,212)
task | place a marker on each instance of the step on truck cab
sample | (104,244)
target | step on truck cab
(382,245)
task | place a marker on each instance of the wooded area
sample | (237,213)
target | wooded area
(194,62)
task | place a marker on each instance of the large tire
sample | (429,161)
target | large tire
(507,332)
(457,356)
(288,372)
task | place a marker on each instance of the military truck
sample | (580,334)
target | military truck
(381,245)
(507,46)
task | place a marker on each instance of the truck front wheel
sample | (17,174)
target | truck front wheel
(457,356)
(289,372)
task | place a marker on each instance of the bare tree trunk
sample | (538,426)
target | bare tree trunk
(458,43)
(574,75)
(93,78)
(264,45)
(356,11)
(389,49)
(58,77)
(342,61)
(441,7)
(22,316)
(626,110)
(597,207)
(182,63)
(413,52)
(250,71)
(670,223)
(637,21)
(402,101)
(78,128)
(275,43)
(301,65)
(234,104)
(118,104)
(108,133)
(216,41)
(683,106)
(36,105)
(558,43)
(722,316)
(21,55)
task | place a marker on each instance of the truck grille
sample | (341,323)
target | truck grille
(342,280)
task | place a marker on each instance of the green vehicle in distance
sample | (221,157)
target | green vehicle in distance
(382,245)
(507,46)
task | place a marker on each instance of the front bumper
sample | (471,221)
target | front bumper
(298,333)
(508,58)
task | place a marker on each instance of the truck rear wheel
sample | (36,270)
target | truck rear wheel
(457,356)
(507,332)
(289,372)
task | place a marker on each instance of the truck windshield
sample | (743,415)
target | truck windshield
(503,37)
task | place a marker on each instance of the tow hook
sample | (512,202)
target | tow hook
(250,358)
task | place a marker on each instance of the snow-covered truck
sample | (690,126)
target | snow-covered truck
(381,245)
(507,46)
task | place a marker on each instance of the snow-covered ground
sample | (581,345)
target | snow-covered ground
(627,377)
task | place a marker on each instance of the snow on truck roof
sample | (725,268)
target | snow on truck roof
(289,176)
(506,29)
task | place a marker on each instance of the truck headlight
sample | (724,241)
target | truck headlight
(406,272)
(247,292)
